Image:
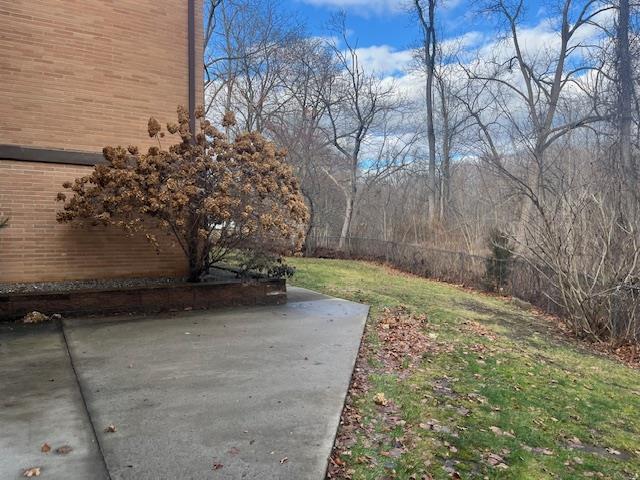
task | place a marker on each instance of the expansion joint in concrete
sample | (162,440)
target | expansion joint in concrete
(84,400)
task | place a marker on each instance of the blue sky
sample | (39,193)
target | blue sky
(386,22)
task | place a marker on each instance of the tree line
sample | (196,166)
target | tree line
(535,137)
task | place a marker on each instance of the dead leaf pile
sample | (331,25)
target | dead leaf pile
(351,421)
(628,354)
(479,329)
(403,338)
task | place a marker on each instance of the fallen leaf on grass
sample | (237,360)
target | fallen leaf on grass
(544,451)
(45,448)
(380,399)
(363,459)
(449,468)
(63,450)
(496,461)
(574,442)
(32,472)
(498,431)
(463,411)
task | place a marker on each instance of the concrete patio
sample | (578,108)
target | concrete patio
(235,393)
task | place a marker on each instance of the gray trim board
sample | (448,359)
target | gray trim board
(49,155)
(191,32)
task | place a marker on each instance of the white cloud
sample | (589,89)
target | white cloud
(384,60)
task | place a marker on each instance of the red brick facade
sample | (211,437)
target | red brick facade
(79,75)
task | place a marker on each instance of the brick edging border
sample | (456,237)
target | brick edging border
(151,299)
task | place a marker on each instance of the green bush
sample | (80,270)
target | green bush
(271,266)
(499,262)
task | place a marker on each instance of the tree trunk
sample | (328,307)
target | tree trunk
(445,192)
(350,197)
(307,247)
(346,225)
(625,77)
(196,266)
(428,28)
(535,181)
(431,137)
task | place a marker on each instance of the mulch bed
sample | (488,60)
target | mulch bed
(215,275)
(74,285)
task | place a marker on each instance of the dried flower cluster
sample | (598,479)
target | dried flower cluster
(212,194)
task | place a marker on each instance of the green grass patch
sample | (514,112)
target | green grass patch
(543,404)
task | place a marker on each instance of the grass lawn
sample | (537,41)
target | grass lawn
(499,393)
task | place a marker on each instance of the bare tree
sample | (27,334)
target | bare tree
(355,102)
(539,82)
(454,121)
(297,124)
(429,50)
(245,44)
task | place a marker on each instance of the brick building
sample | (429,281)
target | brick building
(77,75)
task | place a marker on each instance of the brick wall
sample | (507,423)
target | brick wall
(82,74)
(79,75)
(34,247)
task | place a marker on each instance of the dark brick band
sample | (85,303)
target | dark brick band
(48,155)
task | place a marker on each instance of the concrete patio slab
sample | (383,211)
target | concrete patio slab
(251,393)
(40,402)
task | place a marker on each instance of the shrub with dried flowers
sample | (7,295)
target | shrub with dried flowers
(212,194)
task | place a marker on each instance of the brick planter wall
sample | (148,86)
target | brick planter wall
(145,299)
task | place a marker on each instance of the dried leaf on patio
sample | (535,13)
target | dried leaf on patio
(34,317)
(32,472)
(63,450)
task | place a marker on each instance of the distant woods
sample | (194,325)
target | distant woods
(534,134)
